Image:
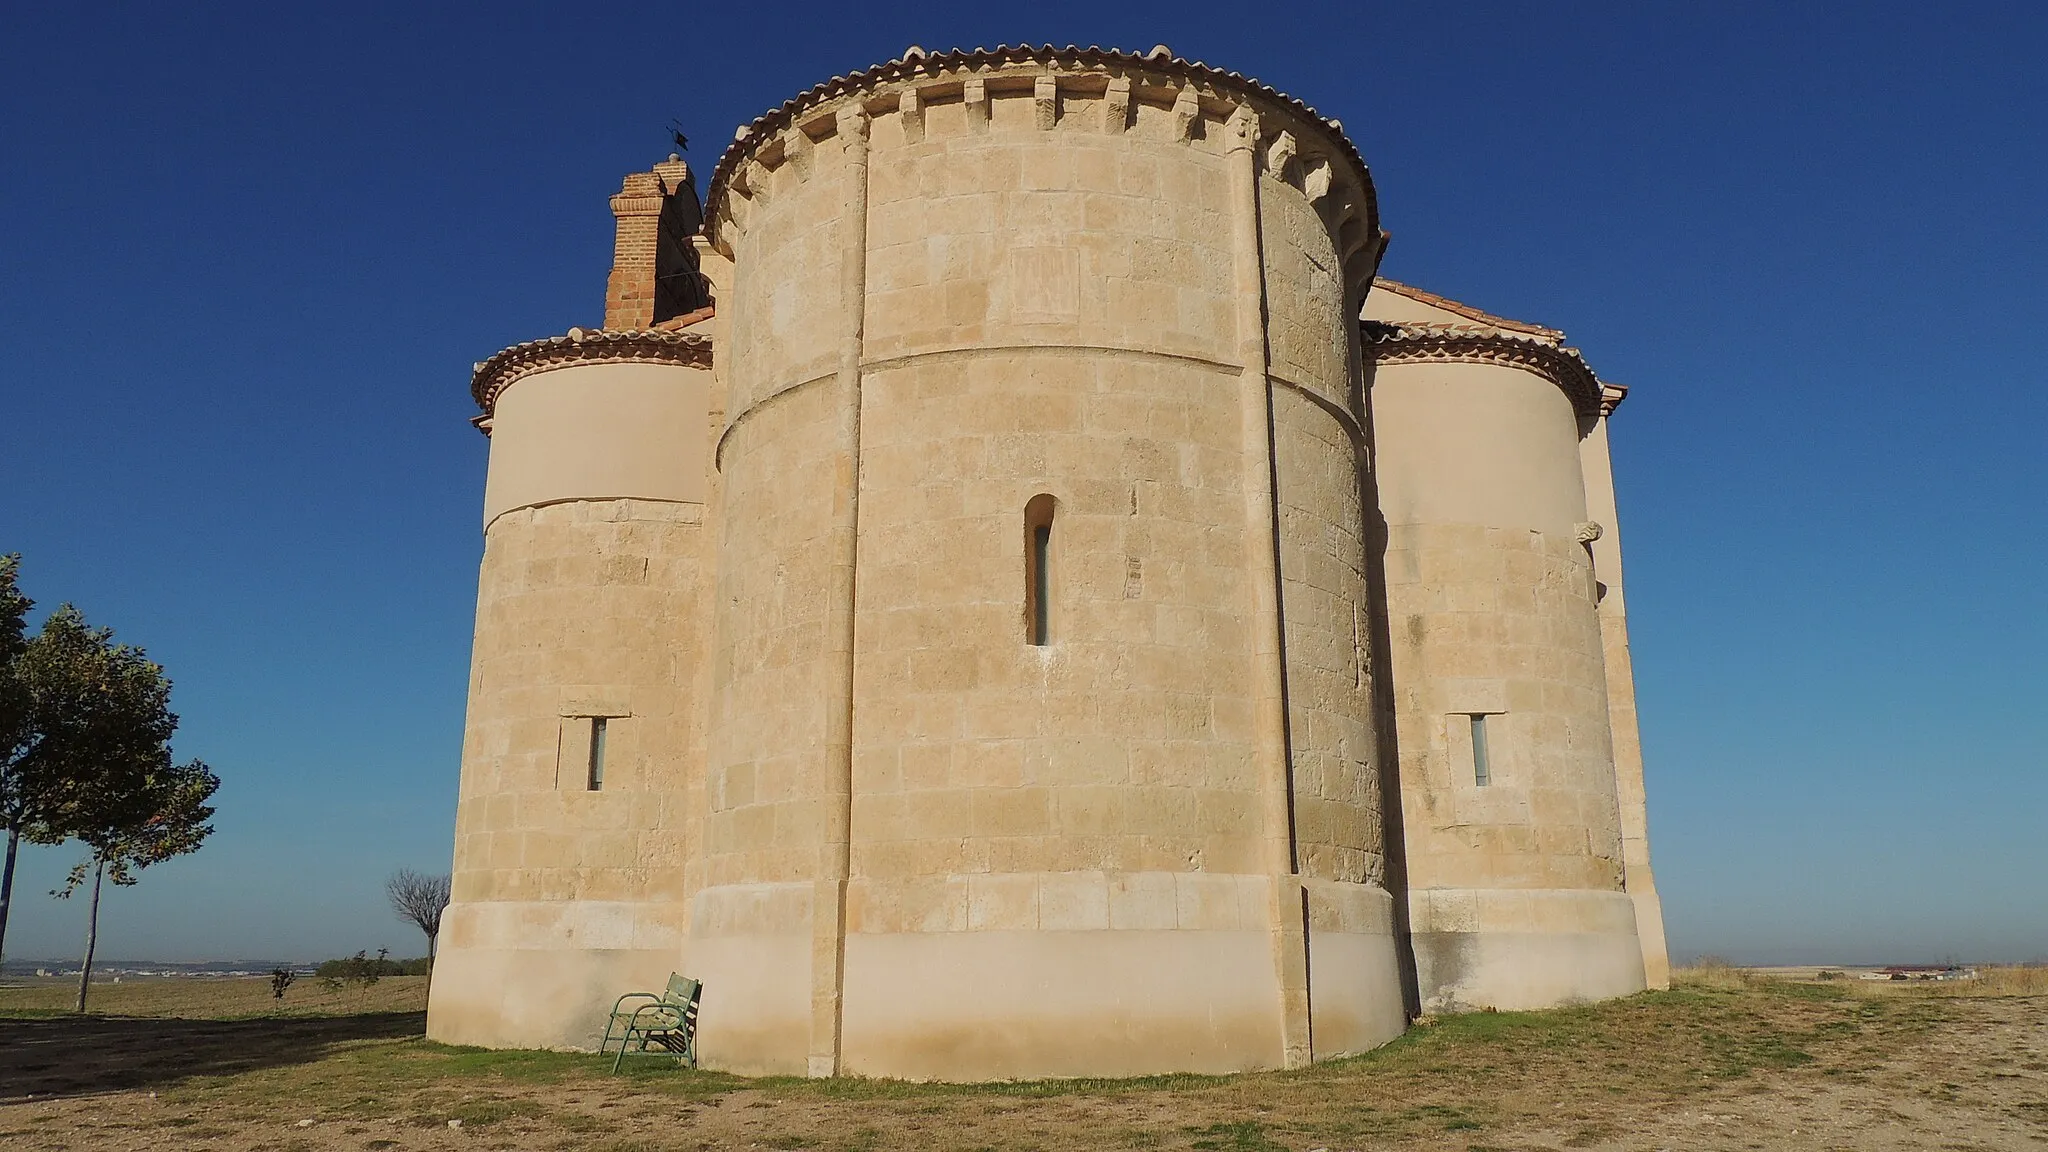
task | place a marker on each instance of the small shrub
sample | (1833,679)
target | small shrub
(1716,973)
(358,970)
(1831,974)
(281,979)
(337,969)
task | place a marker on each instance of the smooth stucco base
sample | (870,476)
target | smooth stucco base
(1017,1004)
(1354,978)
(1023,1005)
(1511,949)
(751,946)
(515,992)
(1354,993)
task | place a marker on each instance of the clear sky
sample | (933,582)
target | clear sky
(248,256)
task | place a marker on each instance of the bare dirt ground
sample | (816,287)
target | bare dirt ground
(1724,1061)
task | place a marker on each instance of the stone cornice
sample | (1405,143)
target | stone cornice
(582,346)
(917,65)
(1462,344)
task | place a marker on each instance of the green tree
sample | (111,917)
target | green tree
(133,811)
(75,703)
(15,739)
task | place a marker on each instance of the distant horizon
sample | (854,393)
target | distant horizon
(99,965)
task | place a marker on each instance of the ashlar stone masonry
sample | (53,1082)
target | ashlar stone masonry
(1009,592)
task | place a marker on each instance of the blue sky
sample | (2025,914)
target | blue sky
(250,254)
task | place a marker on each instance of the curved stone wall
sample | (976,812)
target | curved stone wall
(604,431)
(565,896)
(986,288)
(1329,615)
(1002,649)
(1516,886)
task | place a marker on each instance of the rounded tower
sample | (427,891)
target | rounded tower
(1042,739)
(1515,864)
(584,710)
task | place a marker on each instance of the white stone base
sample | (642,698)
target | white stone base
(1520,949)
(998,1004)
(543,974)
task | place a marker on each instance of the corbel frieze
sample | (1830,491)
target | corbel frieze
(490,378)
(1562,366)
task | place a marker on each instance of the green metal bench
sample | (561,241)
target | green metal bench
(668,1023)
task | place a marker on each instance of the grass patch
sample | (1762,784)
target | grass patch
(1242,1136)
(207,998)
(1577,1077)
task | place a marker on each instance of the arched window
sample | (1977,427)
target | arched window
(1038,569)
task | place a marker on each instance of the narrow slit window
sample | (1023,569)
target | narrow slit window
(1038,570)
(1482,770)
(594,781)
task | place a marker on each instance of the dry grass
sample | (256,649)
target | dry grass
(1991,980)
(1999,980)
(216,998)
(1725,1059)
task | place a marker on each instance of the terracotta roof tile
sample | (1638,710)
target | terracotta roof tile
(490,377)
(1450,305)
(1405,343)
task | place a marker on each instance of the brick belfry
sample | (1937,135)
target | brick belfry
(1008,592)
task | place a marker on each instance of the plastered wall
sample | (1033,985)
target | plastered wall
(599,432)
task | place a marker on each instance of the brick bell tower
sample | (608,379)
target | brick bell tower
(654,267)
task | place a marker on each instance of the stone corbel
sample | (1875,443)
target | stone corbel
(759,184)
(1045,102)
(1187,109)
(911,108)
(718,233)
(714,264)
(1280,155)
(853,125)
(739,201)
(974,94)
(1364,263)
(1116,105)
(1315,183)
(1241,131)
(797,148)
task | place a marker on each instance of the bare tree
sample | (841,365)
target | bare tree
(420,900)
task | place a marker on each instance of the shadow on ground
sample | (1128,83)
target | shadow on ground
(77,1056)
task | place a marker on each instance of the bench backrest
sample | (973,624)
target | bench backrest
(682,991)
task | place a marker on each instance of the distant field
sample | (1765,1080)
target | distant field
(211,997)
(1727,1060)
